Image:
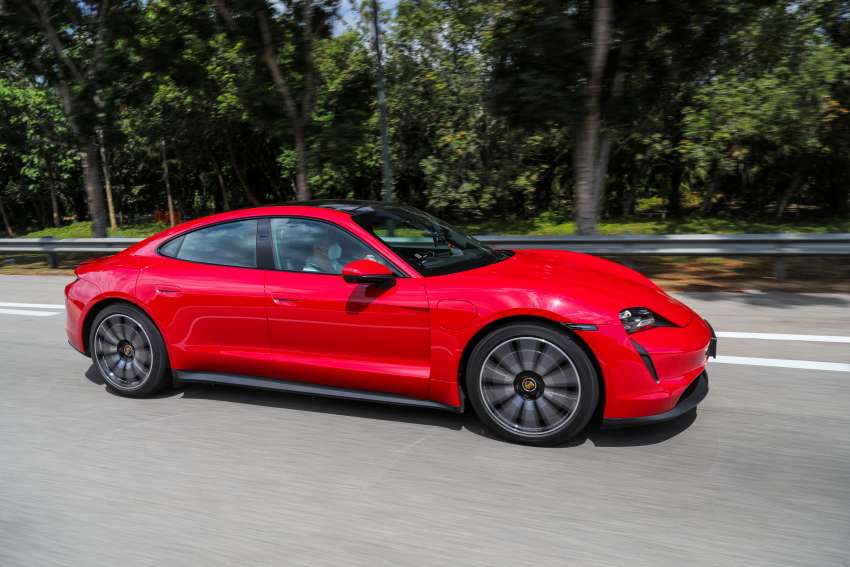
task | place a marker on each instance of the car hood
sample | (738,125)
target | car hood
(601,285)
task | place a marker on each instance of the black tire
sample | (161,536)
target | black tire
(531,384)
(128,351)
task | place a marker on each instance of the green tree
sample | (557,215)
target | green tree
(771,110)
(71,46)
(282,37)
(598,70)
(33,154)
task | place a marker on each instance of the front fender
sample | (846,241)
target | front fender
(450,342)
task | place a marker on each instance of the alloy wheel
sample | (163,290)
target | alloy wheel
(530,386)
(123,352)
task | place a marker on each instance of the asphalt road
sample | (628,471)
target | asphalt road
(218,476)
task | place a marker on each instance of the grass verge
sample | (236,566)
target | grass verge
(544,225)
(82,229)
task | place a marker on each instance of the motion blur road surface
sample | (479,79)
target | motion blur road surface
(220,476)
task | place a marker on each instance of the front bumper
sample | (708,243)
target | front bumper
(648,372)
(695,393)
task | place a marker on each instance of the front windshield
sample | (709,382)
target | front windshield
(425,242)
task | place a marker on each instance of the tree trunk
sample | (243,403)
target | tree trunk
(629,202)
(710,190)
(224,199)
(707,200)
(600,171)
(251,196)
(94,189)
(790,189)
(589,126)
(674,197)
(585,212)
(87,149)
(36,203)
(167,179)
(54,206)
(302,187)
(54,199)
(298,117)
(40,210)
(387,168)
(9,230)
(107,179)
(201,179)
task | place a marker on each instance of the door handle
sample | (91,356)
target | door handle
(170,291)
(284,301)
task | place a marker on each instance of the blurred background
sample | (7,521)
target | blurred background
(642,121)
(514,117)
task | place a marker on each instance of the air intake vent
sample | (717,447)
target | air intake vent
(647,360)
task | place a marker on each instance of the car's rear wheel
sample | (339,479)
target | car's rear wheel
(128,351)
(531,384)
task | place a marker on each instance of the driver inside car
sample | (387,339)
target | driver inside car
(325,257)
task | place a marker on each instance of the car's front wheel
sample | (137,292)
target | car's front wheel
(531,384)
(128,351)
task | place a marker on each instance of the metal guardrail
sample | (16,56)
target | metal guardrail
(782,244)
(778,246)
(53,247)
(66,245)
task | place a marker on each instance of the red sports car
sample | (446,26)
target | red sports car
(381,302)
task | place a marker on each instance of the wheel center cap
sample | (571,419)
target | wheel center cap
(529,385)
(126,350)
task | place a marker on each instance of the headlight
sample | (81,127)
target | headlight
(636,318)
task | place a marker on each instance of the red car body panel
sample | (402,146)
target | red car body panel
(408,339)
(211,317)
(350,336)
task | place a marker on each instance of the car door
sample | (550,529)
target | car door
(327,331)
(208,297)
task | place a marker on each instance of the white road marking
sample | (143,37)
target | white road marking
(33,305)
(782,337)
(28,313)
(784,363)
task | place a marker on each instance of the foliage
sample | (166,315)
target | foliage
(755,119)
(82,229)
(545,224)
(34,153)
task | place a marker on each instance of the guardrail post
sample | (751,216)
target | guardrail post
(779,268)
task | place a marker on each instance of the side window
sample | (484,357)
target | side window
(172,247)
(227,244)
(304,245)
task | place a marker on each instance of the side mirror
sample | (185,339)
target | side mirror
(368,272)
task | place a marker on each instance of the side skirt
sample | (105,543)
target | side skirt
(182,377)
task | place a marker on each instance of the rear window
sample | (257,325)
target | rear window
(227,244)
